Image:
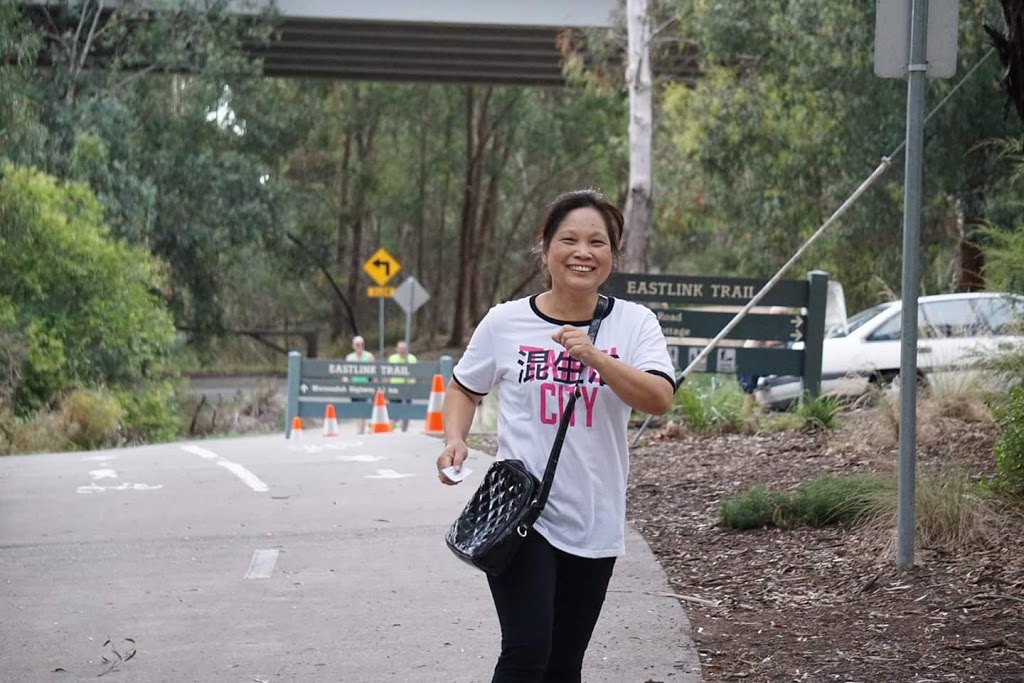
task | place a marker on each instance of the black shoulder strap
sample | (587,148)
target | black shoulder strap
(556,449)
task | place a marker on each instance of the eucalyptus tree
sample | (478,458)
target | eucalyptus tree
(138,102)
(788,118)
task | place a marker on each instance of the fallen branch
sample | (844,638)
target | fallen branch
(988,645)
(998,596)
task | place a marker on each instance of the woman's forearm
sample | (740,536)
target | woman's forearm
(642,391)
(457,412)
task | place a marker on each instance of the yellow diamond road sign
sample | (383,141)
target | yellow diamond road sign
(381,266)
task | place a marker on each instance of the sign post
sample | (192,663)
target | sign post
(410,295)
(381,267)
(923,43)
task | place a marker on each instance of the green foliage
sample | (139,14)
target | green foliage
(754,509)
(1004,258)
(832,500)
(827,500)
(90,418)
(1009,446)
(83,304)
(817,413)
(152,412)
(709,404)
(788,119)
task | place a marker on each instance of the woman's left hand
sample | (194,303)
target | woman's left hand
(576,342)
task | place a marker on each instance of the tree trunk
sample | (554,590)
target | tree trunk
(421,209)
(340,310)
(638,80)
(470,199)
(972,259)
(441,281)
(488,229)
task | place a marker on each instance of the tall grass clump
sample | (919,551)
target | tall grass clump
(754,509)
(709,404)
(833,500)
(820,412)
(950,512)
(823,501)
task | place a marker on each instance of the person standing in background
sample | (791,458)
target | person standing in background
(360,355)
(401,355)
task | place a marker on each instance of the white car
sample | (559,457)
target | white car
(953,331)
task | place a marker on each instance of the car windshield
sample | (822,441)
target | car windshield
(858,319)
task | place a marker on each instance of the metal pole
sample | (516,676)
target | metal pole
(408,312)
(381,327)
(916,73)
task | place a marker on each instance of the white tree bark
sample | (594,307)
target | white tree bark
(638,80)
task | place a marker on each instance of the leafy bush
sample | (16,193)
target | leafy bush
(1009,446)
(757,508)
(90,418)
(83,305)
(152,412)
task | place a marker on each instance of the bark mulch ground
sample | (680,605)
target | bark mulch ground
(828,604)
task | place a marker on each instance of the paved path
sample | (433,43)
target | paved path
(259,559)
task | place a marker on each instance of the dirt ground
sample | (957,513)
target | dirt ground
(828,604)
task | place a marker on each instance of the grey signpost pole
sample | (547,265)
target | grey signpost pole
(916,72)
(381,327)
(408,316)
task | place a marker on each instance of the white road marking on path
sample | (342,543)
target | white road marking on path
(359,458)
(326,446)
(247,477)
(262,564)
(388,474)
(98,458)
(127,486)
(200,451)
(103,474)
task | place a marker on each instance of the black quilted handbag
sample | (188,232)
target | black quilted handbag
(502,511)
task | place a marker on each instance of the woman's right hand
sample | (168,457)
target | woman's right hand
(453,455)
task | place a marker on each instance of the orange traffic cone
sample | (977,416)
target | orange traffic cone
(379,421)
(434,425)
(330,421)
(296,432)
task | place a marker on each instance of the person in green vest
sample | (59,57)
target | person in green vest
(401,355)
(360,355)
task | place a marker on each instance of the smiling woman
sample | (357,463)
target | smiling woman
(537,351)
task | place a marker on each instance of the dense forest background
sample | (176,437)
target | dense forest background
(158,194)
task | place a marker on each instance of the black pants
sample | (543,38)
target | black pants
(548,602)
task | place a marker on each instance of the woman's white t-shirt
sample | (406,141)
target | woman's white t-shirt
(512,349)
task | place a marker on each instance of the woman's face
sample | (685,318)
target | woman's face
(579,256)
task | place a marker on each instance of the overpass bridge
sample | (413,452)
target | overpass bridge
(516,42)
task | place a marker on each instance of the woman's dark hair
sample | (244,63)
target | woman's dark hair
(579,199)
